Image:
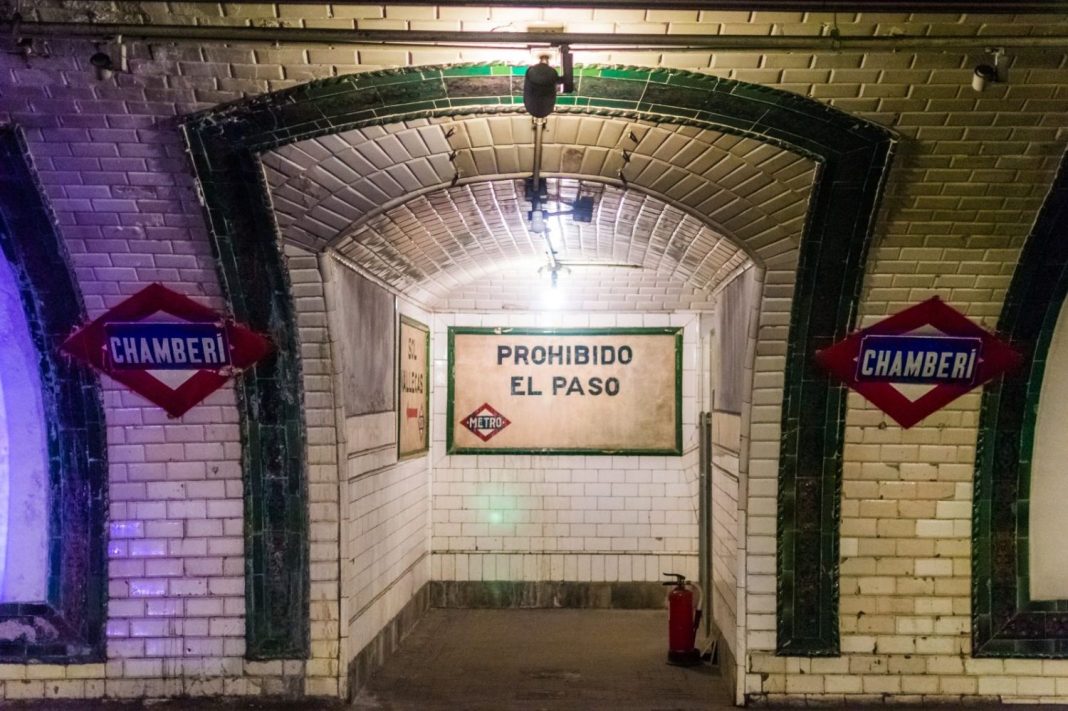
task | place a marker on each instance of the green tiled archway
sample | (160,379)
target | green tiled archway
(853,156)
(68,625)
(1005,621)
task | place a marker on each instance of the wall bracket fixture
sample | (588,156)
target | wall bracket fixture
(985,74)
(541,80)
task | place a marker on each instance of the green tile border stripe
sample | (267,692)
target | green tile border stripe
(1005,621)
(269,397)
(75,608)
(853,155)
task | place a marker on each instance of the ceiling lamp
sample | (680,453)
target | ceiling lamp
(540,81)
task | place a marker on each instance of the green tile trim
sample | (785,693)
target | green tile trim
(853,154)
(269,396)
(1005,621)
(450,411)
(70,622)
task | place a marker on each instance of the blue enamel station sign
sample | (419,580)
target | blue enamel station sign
(917,361)
(929,360)
(158,329)
(167,346)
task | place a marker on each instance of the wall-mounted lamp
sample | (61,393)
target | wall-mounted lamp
(24,46)
(105,65)
(102,65)
(540,81)
(985,74)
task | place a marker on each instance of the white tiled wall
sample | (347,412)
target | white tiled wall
(385,554)
(725,543)
(385,504)
(576,518)
(733,346)
(972,172)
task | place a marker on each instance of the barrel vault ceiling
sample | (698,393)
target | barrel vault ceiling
(436,208)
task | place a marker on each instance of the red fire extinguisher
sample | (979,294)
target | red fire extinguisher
(684,616)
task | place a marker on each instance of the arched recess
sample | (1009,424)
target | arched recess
(853,155)
(1006,622)
(408,200)
(441,242)
(68,625)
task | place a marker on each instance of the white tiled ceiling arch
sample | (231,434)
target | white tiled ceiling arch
(436,207)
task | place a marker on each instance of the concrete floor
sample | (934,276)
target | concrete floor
(540,659)
(505,660)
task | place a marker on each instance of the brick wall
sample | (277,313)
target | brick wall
(114,172)
(573,518)
(384,504)
(733,342)
(970,173)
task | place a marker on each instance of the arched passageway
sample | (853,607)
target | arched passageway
(411,179)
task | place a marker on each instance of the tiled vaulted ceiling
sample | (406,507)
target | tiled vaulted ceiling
(450,237)
(434,206)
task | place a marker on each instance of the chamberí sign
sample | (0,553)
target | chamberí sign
(931,360)
(919,360)
(167,347)
(527,390)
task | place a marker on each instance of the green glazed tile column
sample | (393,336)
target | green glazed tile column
(1005,621)
(71,620)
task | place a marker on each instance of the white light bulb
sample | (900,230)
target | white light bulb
(552,298)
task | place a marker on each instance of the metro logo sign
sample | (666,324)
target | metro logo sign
(918,361)
(167,347)
(485,422)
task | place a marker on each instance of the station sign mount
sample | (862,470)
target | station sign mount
(919,360)
(167,347)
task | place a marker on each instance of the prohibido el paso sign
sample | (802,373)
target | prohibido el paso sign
(565,390)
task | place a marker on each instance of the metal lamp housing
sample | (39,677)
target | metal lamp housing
(539,90)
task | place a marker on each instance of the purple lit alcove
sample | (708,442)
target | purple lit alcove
(23,455)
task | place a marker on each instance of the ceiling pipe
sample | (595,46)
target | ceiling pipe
(865,6)
(527,40)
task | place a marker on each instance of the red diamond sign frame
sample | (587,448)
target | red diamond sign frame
(497,421)
(964,357)
(157,307)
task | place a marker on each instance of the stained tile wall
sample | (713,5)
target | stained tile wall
(573,518)
(753,191)
(320,674)
(384,505)
(732,340)
(971,172)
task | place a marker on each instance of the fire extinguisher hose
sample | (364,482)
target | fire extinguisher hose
(699,606)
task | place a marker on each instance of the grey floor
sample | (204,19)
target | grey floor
(500,660)
(540,659)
